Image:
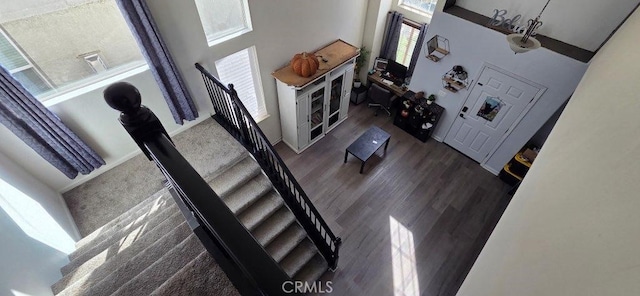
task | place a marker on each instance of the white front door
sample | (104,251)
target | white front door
(494,103)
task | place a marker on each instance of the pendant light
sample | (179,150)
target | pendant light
(521,43)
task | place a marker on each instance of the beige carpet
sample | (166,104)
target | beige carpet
(207,146)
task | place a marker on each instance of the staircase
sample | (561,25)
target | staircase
(151,250)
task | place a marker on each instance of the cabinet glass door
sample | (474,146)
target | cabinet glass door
(335,99)
(317,113)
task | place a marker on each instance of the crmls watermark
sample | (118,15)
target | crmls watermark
(318,287)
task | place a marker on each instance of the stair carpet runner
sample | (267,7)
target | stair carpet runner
(150,249)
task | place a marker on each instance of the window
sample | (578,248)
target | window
(56,49)
(408,37)
(241,69)
(20,67)
(424,7)
(224,19)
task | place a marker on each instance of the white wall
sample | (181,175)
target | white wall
(280,29)
(30,266)
(471,46)
(583,23)
(572,227)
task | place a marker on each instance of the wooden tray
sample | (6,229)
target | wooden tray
(335,54)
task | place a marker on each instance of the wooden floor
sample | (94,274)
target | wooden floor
(413,223)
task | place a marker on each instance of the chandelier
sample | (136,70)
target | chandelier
(521,43)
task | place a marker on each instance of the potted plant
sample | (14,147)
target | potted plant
(360,62)
(431,99)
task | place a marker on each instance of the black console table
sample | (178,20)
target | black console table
(414,122)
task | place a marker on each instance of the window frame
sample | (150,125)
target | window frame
(428,14)
(30,64)
(414,25)
(58,94)
(257,82)
(248,26)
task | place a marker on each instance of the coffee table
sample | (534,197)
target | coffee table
(367,144)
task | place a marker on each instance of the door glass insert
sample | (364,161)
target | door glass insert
(336,94)
(334,100)
(317,112)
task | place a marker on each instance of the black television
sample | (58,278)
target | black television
(397,71)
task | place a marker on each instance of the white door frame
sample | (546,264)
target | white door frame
(526,110)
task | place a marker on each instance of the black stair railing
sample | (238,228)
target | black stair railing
(234,117)
(247,264)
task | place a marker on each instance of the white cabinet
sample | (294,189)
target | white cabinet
(307,113)
(312,106)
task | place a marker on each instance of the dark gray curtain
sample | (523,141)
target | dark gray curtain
(43,131)
(391,35)
(145,31)
(417,49)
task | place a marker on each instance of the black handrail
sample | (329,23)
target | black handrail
(234,117)
(250,268)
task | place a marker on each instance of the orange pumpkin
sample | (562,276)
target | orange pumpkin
(304,64)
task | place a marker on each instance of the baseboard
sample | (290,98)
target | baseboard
(84,178)
(291,146)
(491,170)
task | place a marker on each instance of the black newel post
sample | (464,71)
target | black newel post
(138,120)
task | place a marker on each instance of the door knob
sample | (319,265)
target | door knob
(462,115)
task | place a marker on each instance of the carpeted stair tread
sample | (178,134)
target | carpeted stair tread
(297,258)
(153,204)
(162,269)
(273,226)
(119,253)
(209,148)
(229,163)
(286,241)
(235,176)
(104,282)
(140,227)
(246,195)
(260,210)
(313,270)
(211,280)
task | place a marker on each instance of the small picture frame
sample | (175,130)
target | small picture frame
(380,64)
(490,108)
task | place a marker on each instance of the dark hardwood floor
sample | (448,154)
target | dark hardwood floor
(413,223)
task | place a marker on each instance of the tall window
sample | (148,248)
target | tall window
(224,19)
(424,7)
(408,37)
(241,69)
(53,49)
(20,67)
